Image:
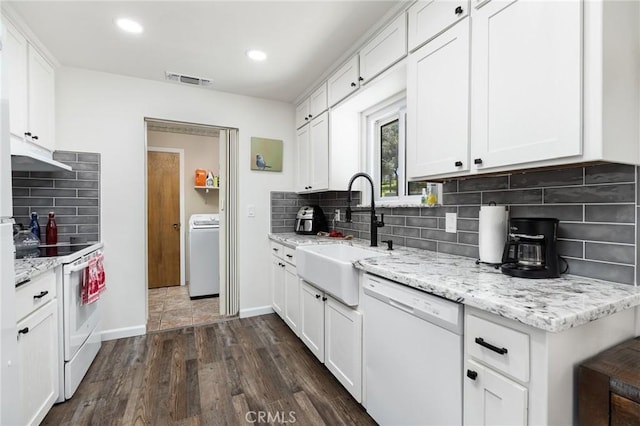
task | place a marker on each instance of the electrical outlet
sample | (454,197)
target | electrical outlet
(336,215)
(450,223)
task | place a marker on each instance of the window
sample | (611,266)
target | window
(385,147)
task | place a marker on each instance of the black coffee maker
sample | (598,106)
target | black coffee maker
(530,250)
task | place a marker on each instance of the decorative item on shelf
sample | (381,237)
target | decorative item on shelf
(266,154)
(432,194)
(209,181)
(34,226)
(52,235)
(201,177)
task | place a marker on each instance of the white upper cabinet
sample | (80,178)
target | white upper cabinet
(384,50)
(428,18)
(344,81)
(16,57)
(318,101)
(526,82)
(438,105)
(31,91)
(41,100)
(313,155)
(312,106)
(302,113)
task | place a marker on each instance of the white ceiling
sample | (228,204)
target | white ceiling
(207,39)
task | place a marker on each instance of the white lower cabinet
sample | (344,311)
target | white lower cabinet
(492,399)
(333,333)
(515,374)
(277,279)
(312,319)
(38,369)
(343,345)
(291,298)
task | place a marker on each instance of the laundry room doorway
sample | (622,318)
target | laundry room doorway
(174,202)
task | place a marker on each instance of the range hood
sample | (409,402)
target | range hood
(28,157)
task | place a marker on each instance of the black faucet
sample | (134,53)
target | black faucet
(375,224)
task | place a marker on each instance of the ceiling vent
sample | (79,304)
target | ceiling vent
(186,79)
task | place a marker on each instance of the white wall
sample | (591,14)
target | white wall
(99,112)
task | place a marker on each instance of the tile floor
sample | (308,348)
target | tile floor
(171,307)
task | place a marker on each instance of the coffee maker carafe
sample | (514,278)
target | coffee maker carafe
(530,250)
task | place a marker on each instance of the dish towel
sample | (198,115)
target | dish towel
(93,283)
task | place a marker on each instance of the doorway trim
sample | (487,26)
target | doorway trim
(180,153)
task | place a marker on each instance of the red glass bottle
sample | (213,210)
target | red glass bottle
(52,235)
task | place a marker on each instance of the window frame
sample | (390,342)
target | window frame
(374,119)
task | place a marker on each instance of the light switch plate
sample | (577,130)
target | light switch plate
(251,210)
(451,220)
(337,215)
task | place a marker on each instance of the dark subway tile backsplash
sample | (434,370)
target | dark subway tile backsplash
(74,196)
(596,207)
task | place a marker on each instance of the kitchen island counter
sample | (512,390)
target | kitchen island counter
(549,304)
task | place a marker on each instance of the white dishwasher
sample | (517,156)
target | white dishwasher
(412,355)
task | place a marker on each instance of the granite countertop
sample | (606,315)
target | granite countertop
(27,269)
(549,304)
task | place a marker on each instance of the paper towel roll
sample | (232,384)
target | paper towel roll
(492,233)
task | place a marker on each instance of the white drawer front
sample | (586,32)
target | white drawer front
(35,293)
(500,347)
(290,255)
(277,249)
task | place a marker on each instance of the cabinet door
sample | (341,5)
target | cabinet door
(302,113)
(384,50)
(428,18)
(312,319)
(303,142)
(344,81)
(343,345)
(38,369)
(319,153)
(16,57)
(438,105)
(277,285)
(318,101)
(491,399)
(526,82)
(291,298)
(41,100)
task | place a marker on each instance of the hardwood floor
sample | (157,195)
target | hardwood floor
(239,371)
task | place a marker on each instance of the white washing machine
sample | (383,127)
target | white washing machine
(204,254)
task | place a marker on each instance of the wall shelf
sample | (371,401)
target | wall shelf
(207,188)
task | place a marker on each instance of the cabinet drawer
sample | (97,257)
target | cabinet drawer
(277,249)
(290,255)
(500,347)
(35,293)
(427,19)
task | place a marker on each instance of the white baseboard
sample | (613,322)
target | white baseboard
(121,333)
(252,312)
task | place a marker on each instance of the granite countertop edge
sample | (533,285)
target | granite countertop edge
(30,268)
(552,305)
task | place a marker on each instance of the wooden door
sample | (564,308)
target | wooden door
(163,221)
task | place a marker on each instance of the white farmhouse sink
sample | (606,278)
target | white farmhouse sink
(329,267)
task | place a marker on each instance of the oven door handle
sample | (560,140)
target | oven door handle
(76,268)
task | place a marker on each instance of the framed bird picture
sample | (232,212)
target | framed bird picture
(266,154)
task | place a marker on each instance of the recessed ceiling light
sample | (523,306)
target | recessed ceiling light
(256,55)
(129,25)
